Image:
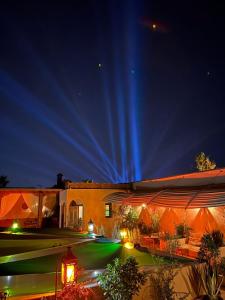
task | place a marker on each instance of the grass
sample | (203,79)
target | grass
(38,239)
(90,256)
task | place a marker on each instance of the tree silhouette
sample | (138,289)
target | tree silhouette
(203,162)
(3,181)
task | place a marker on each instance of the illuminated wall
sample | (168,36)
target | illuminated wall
(93,207)
(27,206)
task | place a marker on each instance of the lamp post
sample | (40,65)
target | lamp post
(69,268)
(90,227)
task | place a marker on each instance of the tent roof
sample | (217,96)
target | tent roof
(212,177)
(176,198)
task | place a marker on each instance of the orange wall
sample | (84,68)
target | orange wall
(94,206)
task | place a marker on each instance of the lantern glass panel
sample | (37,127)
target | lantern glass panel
(70,270)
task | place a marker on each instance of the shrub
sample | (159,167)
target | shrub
(121,281)
(75,291)
(161,284)
(217,236)
(144,229)
(210,243)
(180,230)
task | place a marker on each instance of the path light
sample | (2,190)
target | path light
(69,268)
(90,227)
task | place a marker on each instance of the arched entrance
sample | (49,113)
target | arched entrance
(75,214)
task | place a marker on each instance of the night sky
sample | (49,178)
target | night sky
(114,91)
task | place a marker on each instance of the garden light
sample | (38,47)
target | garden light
(69,268)
(15,226)
(90,226)
(129,245)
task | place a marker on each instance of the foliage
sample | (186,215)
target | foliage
(203,162)
(155,223)
(217,236)
(161,283)
(130,221)
(205,280)
(209,247)
(75,291)
(193,281)
(144,229)
(211,280)
(182,230)
(3,181)
(121,281)
(172,243)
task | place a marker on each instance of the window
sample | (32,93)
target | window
(108,210)
(80,211)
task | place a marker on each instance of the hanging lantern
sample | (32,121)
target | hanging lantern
(90,226)
(69,268)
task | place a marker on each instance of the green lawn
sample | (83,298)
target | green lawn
(39,239)
(90,256)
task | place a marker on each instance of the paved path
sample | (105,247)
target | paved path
(40,252)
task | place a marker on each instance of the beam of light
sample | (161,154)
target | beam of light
(133,95)
(120,102)
(59,93)
(161,133)
(20,133)
(14,91)
(107,97)
(192,143)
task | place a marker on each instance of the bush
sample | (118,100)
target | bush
(217,236)
(209,248)
(182,230)
(144,229)
(161,284)
(121,281)
(75,291)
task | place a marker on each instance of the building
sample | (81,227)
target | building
(196,199)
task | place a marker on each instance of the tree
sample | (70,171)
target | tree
(3,181)
(203,162)
(121,281)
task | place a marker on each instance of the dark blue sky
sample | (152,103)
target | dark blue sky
(92,90)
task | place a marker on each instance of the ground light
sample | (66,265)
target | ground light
(15,227)
(129,245)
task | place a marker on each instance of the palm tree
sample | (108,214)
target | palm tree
(3,181)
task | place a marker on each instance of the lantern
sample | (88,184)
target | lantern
(69,268)
(90,226)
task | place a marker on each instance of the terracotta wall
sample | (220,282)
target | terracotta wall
(94,206)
